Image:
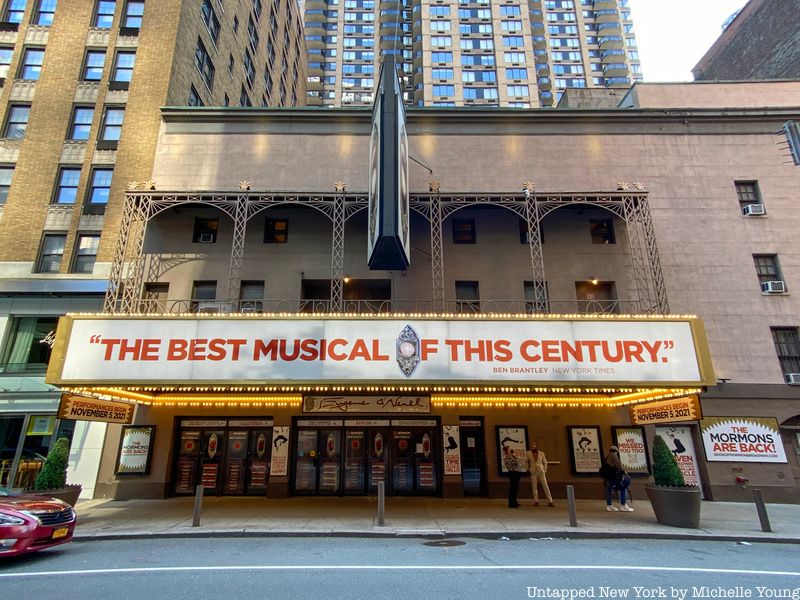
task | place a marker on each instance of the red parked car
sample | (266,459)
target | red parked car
(29,522)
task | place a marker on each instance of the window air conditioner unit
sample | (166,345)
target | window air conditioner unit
(214,307)
(754,209)
(773,287)
(206,238)
(793,378)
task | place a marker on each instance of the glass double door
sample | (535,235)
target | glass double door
(353,460)
(224,460)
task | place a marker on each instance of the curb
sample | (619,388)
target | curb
(401,534)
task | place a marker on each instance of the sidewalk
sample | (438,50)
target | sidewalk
(236,516)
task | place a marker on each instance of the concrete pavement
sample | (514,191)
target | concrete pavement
(357,516)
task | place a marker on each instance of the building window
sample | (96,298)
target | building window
(6,53)
(194,97)
(769,272)
(17,121)
(792,131)
(203,292)
(252,32)
(210,19)
(52,252)
(249,69)
(104,14)
(787,346)
(747,193)
(81,123)
(31,66)
(67,187)
(134,11)
(155,296)
(112,124)
(26,352)
(6,174)
(93,66)
(122,72)
(86,252)
(276,231)
(100,186)
(205,231)
(602,231)
(252,296)
(536,297)
(45,11)
(203,63)
(467,297)
(523,232)
(244,99)
(464,231)
(15,11)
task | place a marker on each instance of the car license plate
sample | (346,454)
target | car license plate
(61,532)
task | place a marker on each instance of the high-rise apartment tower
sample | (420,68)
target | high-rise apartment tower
(81,84)
(509,53)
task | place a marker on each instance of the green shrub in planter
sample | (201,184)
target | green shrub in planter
(54,472)
(665,467)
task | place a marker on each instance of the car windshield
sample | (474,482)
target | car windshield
(6,492)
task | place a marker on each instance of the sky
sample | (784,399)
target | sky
(673,35)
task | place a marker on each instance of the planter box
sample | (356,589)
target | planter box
(675,506)
(68,493)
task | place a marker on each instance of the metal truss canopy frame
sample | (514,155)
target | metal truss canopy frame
(128,268)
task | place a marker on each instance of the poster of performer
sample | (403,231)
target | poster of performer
(516,438)
(280,451)
(679,441)
(585,449)
(452,450)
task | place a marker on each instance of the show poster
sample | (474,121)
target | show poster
(585,446)
(185,481)
(135,450)
(742,439)
(209,475)
(679,440)
(452,450)
(632,449)
(280,451)
(515,438)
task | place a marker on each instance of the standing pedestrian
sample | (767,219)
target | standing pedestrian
(612,475)
(537,465)
(514,470)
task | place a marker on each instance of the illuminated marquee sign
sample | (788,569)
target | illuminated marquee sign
(95,350)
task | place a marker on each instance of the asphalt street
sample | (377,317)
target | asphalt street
(317,567)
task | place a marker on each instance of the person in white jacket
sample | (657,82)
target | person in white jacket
(537,465)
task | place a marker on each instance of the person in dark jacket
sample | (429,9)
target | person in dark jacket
(514,469)
(613,479)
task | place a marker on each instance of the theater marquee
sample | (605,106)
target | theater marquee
(96,350)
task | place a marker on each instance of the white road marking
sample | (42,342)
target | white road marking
(396,568)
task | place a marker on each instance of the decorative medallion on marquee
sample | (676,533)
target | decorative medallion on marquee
(407,350)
